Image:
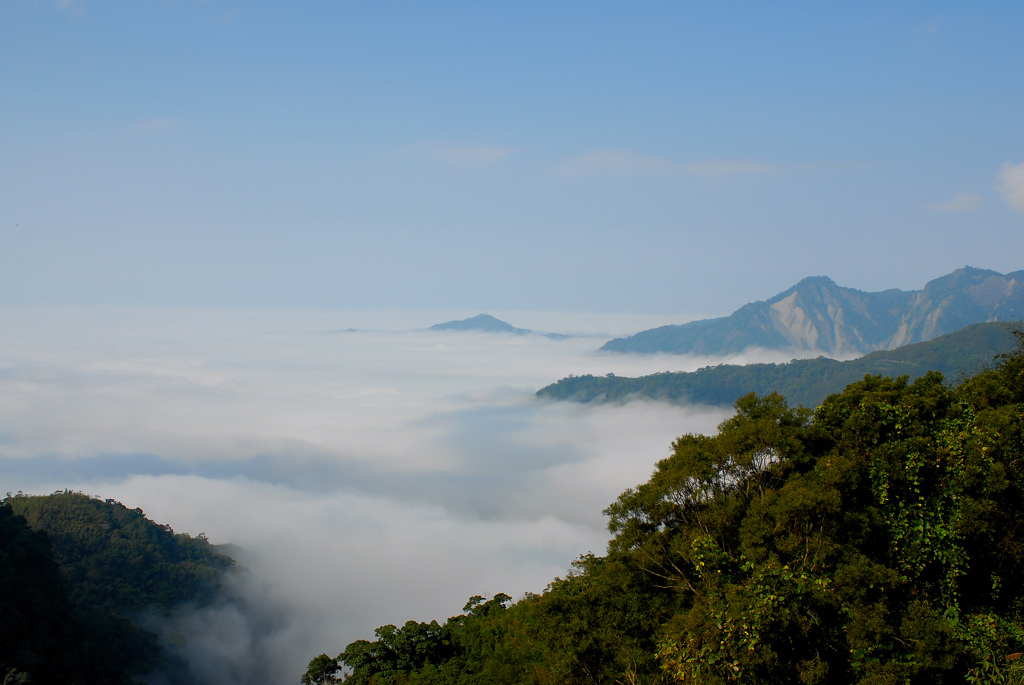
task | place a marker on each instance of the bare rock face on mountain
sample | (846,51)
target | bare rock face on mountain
(819,316)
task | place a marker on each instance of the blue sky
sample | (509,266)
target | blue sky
(619,157)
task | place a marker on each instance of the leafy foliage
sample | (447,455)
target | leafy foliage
(40,640)
(322,671)
(114,557)
(877,539)
(115,564)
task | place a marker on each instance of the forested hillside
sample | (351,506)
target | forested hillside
(39,641)
(802,381)
(114,565)
(876,539)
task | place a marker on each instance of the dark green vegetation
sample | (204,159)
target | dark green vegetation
(817,314)
(111,565)
(38,636)
(801,381)
(876,539)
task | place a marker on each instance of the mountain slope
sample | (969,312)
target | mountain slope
(802,381)
(116,564)
(818,315)
(38,640)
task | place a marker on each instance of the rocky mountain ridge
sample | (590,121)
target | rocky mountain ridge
(817,315)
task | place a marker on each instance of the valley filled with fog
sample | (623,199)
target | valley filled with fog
(363,469)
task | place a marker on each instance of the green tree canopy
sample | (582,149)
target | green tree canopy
(114,563)
(40,640)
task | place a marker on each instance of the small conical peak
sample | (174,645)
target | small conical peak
(485,318)
(806,285)
(480,322)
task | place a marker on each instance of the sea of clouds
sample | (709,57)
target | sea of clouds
(365,470)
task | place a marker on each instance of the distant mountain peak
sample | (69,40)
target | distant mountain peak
(812,286)
(481,322)
(815,280)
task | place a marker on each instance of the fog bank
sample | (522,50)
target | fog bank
(367,476)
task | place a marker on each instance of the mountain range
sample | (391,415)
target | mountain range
(818,315)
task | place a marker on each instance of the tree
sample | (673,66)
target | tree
(114,563)
(877,546)
(40,639)
(322,671)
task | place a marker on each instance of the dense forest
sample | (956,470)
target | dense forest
(876,539)
(801,381)
(75,572)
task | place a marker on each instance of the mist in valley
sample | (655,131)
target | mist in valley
(362,470)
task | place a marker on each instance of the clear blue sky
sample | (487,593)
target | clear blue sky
(576,156)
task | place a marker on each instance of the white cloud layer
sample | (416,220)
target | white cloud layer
(961,202)
(368,477)
(1010,183)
